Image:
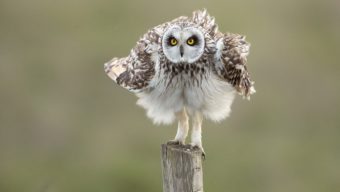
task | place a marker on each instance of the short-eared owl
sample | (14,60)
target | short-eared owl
(185,67)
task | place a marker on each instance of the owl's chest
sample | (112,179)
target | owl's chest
(183,76)
(189,86)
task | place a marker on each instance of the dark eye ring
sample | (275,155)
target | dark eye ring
(193,40)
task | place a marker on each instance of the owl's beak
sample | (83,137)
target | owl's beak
(181,50)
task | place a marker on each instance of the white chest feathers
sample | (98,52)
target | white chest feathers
(168,95)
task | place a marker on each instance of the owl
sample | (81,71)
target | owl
(185,68)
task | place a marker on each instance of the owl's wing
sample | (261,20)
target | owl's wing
(135,71)
(230,65)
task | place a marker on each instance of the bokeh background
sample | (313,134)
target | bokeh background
(64,126)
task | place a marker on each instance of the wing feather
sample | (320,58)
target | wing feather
(231,63)
(135,72)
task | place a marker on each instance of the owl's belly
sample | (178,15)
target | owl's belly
(212,97)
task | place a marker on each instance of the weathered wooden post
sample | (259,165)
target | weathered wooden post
(182,169)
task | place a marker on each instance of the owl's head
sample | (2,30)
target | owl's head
(183,44)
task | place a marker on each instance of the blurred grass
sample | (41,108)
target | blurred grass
(64,126)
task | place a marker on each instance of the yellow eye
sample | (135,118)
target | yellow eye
(173,41)
(191,41)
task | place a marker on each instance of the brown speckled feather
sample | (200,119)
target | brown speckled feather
(231,64)
(135,71)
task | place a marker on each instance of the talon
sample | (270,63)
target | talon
(203,155)
(197,147)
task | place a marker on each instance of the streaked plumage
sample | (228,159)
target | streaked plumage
(185,67)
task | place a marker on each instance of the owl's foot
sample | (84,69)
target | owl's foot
(198,147)
(175,142)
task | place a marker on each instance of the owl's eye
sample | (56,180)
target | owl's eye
(192,41)
(173,41)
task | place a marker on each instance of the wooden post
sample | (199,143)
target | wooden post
(182,169)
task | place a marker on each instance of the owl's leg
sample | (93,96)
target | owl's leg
(183,128)
(196,135)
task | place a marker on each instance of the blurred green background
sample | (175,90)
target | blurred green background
(65,127)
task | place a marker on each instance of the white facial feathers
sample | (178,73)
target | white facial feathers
(183,45)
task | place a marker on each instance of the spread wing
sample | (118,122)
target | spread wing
(231,62)
(135,71)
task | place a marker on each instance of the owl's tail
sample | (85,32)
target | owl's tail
(115,67)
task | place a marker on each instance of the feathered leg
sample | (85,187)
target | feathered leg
(183,128)
(196,135)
